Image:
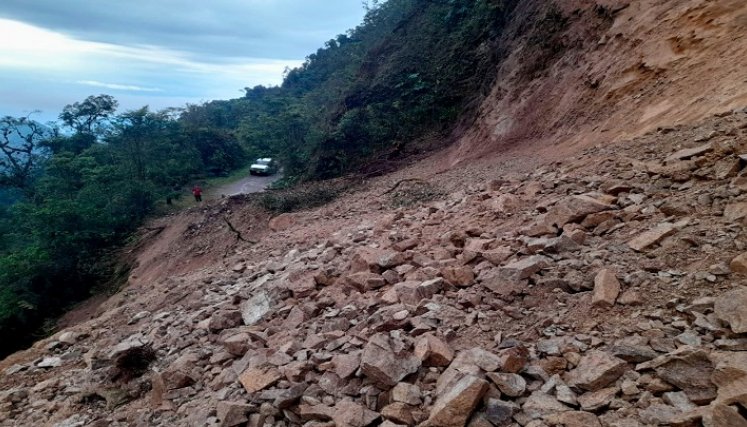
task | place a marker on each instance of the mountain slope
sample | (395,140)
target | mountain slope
(582,263)
(653,63)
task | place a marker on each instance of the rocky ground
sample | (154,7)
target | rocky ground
(604,290)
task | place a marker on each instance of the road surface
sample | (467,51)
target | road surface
(248,184)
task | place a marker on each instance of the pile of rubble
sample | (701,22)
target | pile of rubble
(606,291)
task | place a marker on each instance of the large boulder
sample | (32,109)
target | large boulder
(454,407)
(651,237)
(575,209)
(731,308)
(433,352)
(606,289)
(596,370)
(385,363)
(255,308)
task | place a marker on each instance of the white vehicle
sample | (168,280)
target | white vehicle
(263,166)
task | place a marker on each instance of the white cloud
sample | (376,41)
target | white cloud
(117,86)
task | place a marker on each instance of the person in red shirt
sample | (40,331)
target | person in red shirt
(197,192)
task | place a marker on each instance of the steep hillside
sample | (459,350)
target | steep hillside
(610,70)
(577,258)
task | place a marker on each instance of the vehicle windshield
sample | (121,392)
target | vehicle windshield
(264,162)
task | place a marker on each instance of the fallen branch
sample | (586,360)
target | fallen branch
(239,236)
(400,182)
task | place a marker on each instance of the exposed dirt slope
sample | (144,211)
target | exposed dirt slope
(614,70)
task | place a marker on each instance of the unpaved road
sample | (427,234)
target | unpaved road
(248,184)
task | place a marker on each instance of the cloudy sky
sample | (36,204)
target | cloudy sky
(159,53)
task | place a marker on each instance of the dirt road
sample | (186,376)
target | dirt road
(248,184)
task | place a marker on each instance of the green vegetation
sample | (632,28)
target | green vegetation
(370,96)
(366,99)
(77,195)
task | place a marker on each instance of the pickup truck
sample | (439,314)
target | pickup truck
(263,166)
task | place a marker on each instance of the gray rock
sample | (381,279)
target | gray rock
(254,309)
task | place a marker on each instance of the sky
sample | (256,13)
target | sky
(160,53)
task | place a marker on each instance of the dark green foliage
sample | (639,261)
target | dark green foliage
(308,196)
(368,96)
(89,191)
(413,193)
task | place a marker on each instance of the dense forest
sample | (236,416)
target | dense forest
(74,190)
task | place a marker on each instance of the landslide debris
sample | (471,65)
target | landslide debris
(611,293)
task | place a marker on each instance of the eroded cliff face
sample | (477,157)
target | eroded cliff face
(538,284)
(582,72)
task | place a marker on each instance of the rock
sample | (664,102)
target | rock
(739,264)
(351,414)
(179,373)
(633,353)
(724,416)
(433,352)
(731,308)
(540,405)
(412,292)
(383,364)
(514,359)
(689,369)
(508,280)
(237,345)
(224,319)
(68,338)
(499,412)
(232,414)
(596,370)
(479,357)
(255,308)
(575,209)
(49,362)
(366,280)
(679,400)
(258,379)
(398,412)
(462,276)
(282,222)
(649,238)
(302,285)
(131,343)
(606,289)
(406,244)
(454,407)
(506,203)
(687,153)
(511,385)
(407,393)
(367,259)
(346,364)
(659,414)
(730,376)
(524,268)
(630,297)
(595,400)
(391,259)
(735,211)
(574,419)
(315,412)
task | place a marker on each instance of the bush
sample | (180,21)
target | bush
(307,196)
(414,192)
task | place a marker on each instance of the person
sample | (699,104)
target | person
(197,192)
